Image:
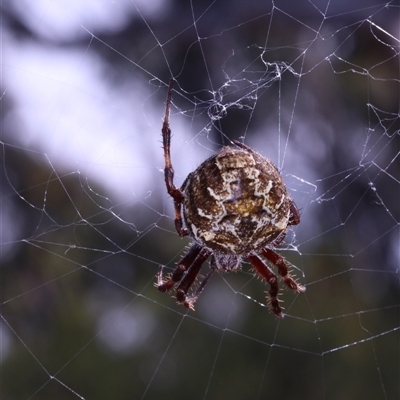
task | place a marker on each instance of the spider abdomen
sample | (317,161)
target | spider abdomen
(235,202)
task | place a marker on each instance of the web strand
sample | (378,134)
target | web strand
(86,221)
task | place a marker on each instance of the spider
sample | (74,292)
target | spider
(234,206)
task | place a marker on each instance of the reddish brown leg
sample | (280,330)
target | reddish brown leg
(243,146)
(270,277)
(190,301)
(183,265)
(173,191)
(278,260)
(190,277)
(294,217)
(279,239)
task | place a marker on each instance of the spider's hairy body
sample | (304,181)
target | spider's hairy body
(234,205)
(235,202)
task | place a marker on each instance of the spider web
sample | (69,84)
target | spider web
(86,221)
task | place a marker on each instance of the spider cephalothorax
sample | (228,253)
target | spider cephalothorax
(234,205)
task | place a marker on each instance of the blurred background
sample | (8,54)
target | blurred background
(86,221)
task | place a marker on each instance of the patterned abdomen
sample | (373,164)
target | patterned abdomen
(235,202)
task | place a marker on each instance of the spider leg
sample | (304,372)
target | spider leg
(183,265)
(172,190)
(243,146)
(278,260)
(279,239)
(190,277)
(271,278)
(294,217)
(192,299)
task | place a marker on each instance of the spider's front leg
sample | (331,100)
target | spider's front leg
(279,262)
(189,278)
(294,217)
(185,274)
(164,285)
(270,277)
(172,190)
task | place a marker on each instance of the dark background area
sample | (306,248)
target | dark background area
(79,312)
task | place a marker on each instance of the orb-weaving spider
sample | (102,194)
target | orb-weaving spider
(234,205)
